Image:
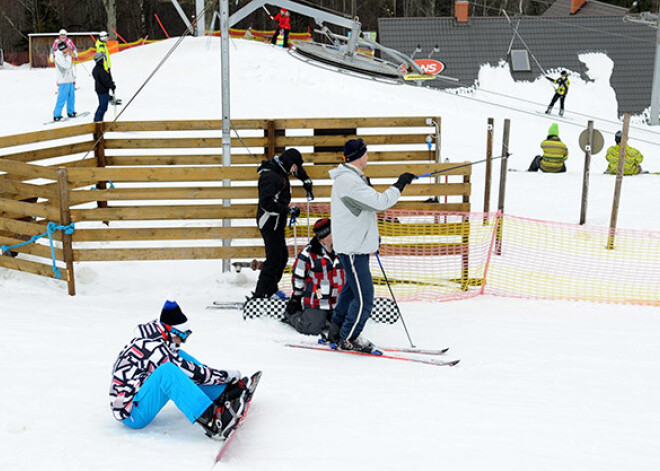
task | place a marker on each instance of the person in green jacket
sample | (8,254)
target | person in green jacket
(632,160)
(554,155)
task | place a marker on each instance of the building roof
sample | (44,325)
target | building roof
(591,8)
(554,42)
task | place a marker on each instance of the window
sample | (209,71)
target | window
(519,60)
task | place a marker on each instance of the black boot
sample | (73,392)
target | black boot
(333,333)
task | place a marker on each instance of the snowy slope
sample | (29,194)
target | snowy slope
(542,385)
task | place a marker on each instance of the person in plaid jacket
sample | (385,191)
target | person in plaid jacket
(152,369)
(317,278)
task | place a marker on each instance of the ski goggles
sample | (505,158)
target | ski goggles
(183,335)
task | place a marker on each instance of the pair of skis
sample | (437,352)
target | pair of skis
(388,353)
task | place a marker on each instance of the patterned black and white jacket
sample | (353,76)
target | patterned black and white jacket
(317,277)
(151,348)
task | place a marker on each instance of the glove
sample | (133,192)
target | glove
(294,305)
(308,185)
(404,179)
(233,376)
(294,211)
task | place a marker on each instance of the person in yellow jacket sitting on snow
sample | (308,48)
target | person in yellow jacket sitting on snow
(632,160)
(554,155)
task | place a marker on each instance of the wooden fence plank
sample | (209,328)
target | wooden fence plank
(16,209)
(51,152)
(35,268)
(21,227)
(152,213)
(48,135)
(25,190)
(169,253)
(27,170)
(166,233)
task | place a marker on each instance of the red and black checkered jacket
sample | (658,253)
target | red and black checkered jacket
(150,348)
(317,276)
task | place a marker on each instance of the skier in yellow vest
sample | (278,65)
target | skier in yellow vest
(561,89)
(102,47)
(554,155)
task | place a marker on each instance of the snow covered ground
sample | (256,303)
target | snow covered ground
(541,385)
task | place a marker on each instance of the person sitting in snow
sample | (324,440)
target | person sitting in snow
(554,155)
(632,160)
(152,369)
(317,278)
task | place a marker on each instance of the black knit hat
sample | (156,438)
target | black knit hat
(62,46)
(354,149)
(290,157)
(172,315)
(322,228)
(617,137)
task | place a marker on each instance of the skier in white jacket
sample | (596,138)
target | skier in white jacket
(65,82)
(354,205)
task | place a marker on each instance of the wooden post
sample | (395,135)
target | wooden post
(619,180)
(585,173)
(99,153)
(503,171)
(65,218)
(489,166)
(270,134)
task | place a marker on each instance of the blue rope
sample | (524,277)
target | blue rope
(51,228)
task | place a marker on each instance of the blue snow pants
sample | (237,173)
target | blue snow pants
(356,298)
(167,382)
(66,94)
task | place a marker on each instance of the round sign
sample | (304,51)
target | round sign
(596,145)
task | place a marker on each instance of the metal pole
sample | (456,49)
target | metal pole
(619,180)
(387,282)
(585,173)
(489,165)
(503,170)
(226,122)
(200,21)
(655,91)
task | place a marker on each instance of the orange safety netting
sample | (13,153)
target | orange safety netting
(439,256)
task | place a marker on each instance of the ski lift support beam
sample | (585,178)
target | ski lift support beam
(322,17)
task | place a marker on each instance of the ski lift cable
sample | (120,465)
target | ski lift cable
(516,33)
(144,84)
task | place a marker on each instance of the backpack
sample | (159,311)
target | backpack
(310,321)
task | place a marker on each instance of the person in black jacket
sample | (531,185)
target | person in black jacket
(103,85)
(274,200)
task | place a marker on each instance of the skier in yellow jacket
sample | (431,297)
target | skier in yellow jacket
(554,155)
(632,160)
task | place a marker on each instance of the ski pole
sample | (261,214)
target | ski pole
(308,233)
(387,282)
(505,156)
(271,16)
(83,66)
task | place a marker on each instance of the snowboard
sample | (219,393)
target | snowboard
(384,309)
(67,118)
(554,116)
(254,381)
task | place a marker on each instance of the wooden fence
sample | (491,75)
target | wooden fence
(159,191)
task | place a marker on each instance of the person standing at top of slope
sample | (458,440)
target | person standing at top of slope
(283,19)
(561,89)
(63,38)
(102,47)
(273,209)
(152,369)
(66,78)
(353,208)
(102,85)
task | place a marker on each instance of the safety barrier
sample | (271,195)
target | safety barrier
(159,191)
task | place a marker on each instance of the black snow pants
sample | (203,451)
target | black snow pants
(277,255)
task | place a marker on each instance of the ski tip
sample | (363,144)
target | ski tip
(377,352)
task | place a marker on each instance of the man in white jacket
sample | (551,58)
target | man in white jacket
(66,83)
(354,205)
